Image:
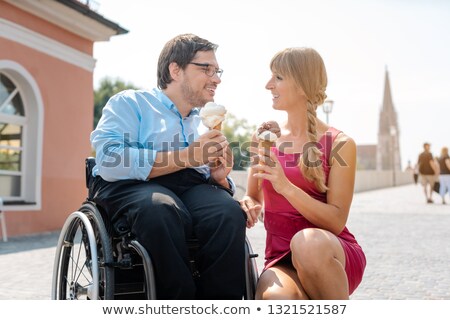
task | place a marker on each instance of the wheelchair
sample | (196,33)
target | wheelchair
(97,261)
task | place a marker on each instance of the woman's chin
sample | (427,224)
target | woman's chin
(277,107)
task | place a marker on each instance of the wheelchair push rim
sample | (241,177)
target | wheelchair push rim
(80,268)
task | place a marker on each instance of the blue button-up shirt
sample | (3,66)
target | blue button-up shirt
(134,126)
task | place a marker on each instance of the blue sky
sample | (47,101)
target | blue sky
(357,40)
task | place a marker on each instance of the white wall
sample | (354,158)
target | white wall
(365,180)
(372,179)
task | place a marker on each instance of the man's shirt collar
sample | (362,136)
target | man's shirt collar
(165,100)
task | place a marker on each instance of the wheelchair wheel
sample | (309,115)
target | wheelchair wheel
(251,271)
(82,262)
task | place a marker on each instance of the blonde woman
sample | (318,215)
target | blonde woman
(307,189)
(444,173)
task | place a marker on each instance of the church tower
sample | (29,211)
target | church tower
(388,149)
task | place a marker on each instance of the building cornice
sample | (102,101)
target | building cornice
(17,33)
(72,16)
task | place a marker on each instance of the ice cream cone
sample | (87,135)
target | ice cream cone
(217,127)
(212,115)
(266,140)
(265,145)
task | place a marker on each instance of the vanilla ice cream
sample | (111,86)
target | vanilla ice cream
(212,115)
(267,136)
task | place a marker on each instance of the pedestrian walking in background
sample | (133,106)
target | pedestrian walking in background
(412,171)
(444,173)
(427,171)
(416,174)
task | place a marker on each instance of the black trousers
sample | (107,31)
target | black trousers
(166,211)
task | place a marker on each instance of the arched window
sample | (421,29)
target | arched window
(21,131)
(12,125)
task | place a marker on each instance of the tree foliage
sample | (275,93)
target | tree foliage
(108,87)
(239,135)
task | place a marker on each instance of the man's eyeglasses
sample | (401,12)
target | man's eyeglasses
(209,69)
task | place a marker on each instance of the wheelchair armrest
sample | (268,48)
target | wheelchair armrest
(89,165)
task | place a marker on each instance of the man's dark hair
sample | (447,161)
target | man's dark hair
(180,50)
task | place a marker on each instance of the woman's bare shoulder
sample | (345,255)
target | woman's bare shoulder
(342,137)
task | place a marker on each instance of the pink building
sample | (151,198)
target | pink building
(46,108)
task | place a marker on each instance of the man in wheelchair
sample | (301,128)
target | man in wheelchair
(152,169)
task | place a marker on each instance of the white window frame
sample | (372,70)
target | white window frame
(32,136)
(19,121)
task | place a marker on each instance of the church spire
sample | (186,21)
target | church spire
(388,151)
(388,105)
(388,115)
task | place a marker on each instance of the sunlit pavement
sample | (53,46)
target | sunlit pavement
(406,241)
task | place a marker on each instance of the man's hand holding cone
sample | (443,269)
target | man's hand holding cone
(212,115)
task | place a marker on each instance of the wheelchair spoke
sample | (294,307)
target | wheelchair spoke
(78,279)
(74,262)
(75,287)
(76,290)
(80,272)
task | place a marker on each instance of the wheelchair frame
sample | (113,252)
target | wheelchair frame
(89,257)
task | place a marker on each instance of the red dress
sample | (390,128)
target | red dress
(282,221)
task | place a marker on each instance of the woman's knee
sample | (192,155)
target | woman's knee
(311,248)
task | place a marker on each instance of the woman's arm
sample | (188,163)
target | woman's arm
(251,203)
(332,215)
(253,199)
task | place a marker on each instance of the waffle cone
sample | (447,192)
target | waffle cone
(217,127)
(266,145)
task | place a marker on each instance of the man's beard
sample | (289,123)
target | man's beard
(195,99)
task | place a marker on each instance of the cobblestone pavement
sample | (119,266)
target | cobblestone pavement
(406,242)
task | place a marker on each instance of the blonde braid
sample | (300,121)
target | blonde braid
(310,164)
